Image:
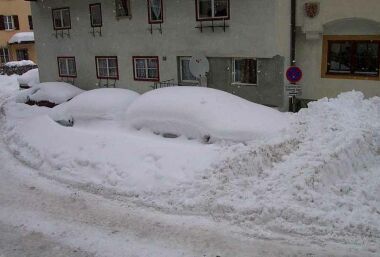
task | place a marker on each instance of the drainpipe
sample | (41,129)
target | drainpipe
(293,33)
(292,100)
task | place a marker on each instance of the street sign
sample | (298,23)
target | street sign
(294,74)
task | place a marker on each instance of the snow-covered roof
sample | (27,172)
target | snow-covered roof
(22,37)
(20,63)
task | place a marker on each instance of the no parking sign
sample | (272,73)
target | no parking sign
(294,74)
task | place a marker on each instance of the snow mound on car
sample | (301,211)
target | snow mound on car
(103,103)
(55,92)
(200,113)
(29,78)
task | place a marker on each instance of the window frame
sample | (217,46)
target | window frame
(134,58)
(233,72)
(198,18)
(67,66)
(6,23)
(128,2)
(328,40)
(97,67)
(6,57)
(91,15)
(150,21)
(180,70)
(23,50)
(61,16)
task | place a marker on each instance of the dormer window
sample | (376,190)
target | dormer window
(122,8)
(213,9)
(61,18)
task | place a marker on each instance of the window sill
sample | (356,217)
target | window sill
(243,84)
(9,30)
(214,19)
(123,17)
(58,29)
(147,80)
(350,76)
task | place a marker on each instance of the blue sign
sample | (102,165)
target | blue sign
(294,74)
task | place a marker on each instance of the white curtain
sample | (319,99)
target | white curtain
(155,6)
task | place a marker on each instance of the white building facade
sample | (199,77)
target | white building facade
(137,44)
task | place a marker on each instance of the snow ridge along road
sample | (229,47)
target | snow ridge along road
(313,192)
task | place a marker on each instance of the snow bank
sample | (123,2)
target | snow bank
(204,113)
(20,63)
(21,37)
(104,103)
(320,180)
(29,78)
(53,92)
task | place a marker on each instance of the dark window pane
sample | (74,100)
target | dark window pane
(340,57)
(155,11)
(367,58)
(122,8)
(221,8)
(205,9)
(96,15)
(245,71)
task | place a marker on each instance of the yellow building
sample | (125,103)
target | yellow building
(16,31)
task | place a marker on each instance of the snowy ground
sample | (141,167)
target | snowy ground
(96,190)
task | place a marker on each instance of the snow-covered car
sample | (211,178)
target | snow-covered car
(203,113)
(48,94)
(96,104)
(29,79)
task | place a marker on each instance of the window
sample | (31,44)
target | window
(146,68)
(212,9)
(61,18)
(4,55)
(30,21)
(155,11)
(353,56)
(22,54)
(9,23)
(122,8)
(244,71)
(185,74)
(107,67)
(96,15)
(67,67)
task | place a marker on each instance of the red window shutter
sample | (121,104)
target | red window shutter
(2,25)
(17,24)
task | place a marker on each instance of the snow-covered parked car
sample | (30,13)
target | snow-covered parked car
(205,114)
(29,79)
(48,94)
(96,104)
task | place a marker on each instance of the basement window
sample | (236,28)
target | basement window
(244,71)
(146,68)
(107,67)
(61,18)
(67,67)
(213,9)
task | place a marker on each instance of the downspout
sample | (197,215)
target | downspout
(292,100)
(293,33)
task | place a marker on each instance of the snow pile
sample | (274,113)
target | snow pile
(20,63)
(320,180)
(29,78)
(204,113)
(8,85)
(53,92)
(104,103)
(21,37)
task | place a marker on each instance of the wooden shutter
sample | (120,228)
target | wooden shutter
(2,25)
(17,24)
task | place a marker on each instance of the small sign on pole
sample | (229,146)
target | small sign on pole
(294,74)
